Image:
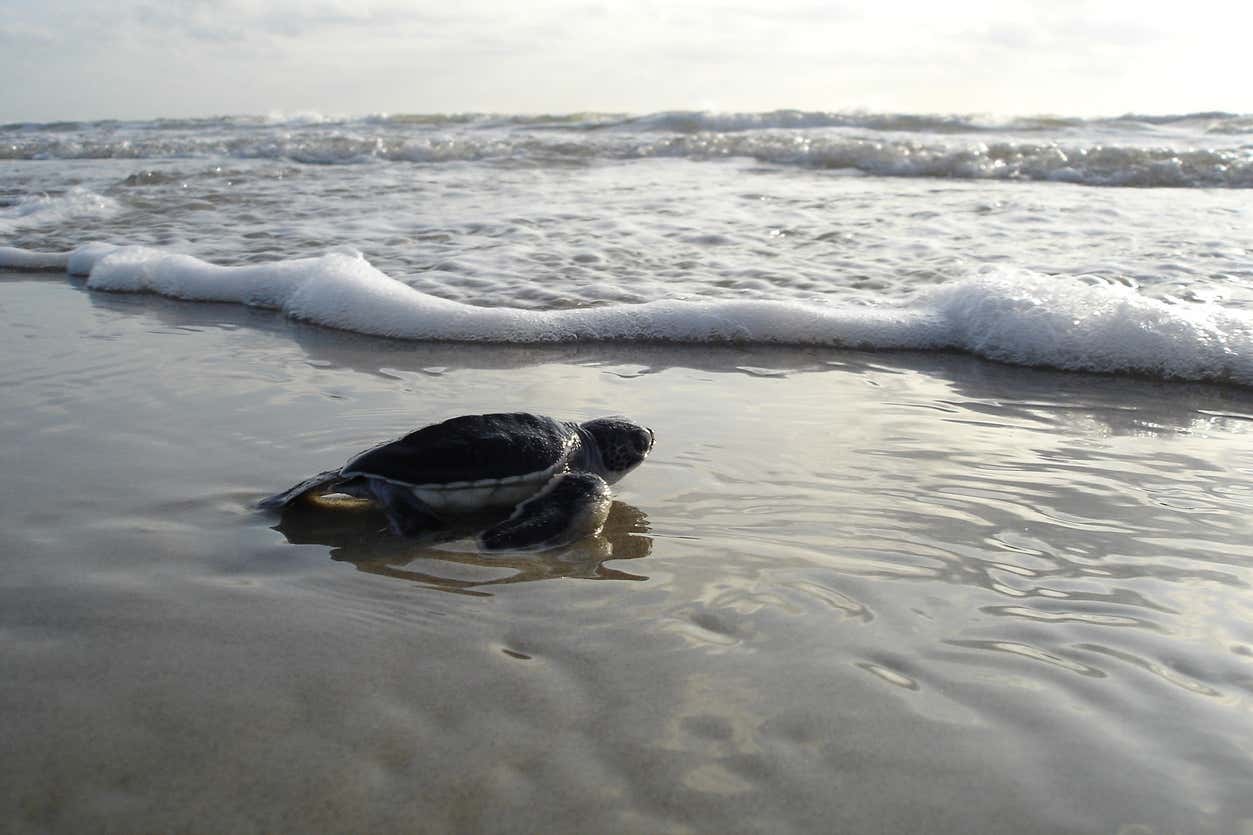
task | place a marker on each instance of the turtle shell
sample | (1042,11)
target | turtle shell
(469,449)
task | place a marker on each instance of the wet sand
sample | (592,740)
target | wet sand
(848,593)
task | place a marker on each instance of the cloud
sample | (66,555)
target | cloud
(189,57)
(16,33)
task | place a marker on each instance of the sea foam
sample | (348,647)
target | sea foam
(1012,316)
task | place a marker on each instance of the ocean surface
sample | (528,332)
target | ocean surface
(946,528)
(1122,245)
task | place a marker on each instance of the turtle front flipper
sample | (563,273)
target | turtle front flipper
(571,506)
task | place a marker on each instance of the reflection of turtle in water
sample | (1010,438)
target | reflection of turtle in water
(555,474)
(356,535)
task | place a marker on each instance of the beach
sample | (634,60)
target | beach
(857,591)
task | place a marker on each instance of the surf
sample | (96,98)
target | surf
(1008,315)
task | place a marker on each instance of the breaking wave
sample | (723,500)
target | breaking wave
(1208,150)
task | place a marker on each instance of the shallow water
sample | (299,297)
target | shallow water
(848,592)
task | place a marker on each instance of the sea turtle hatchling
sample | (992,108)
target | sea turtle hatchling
(555,474)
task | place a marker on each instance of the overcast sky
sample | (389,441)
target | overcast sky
(76,59)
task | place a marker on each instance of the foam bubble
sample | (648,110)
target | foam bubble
(1013,316)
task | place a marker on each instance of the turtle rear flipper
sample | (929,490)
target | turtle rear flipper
(318,483)
(571,506)
(407,515)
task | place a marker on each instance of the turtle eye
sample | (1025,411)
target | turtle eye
(640,442)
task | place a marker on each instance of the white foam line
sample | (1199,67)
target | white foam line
(12,258)
(346,292)
(1012,316)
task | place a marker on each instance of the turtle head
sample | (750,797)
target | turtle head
(622,444)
